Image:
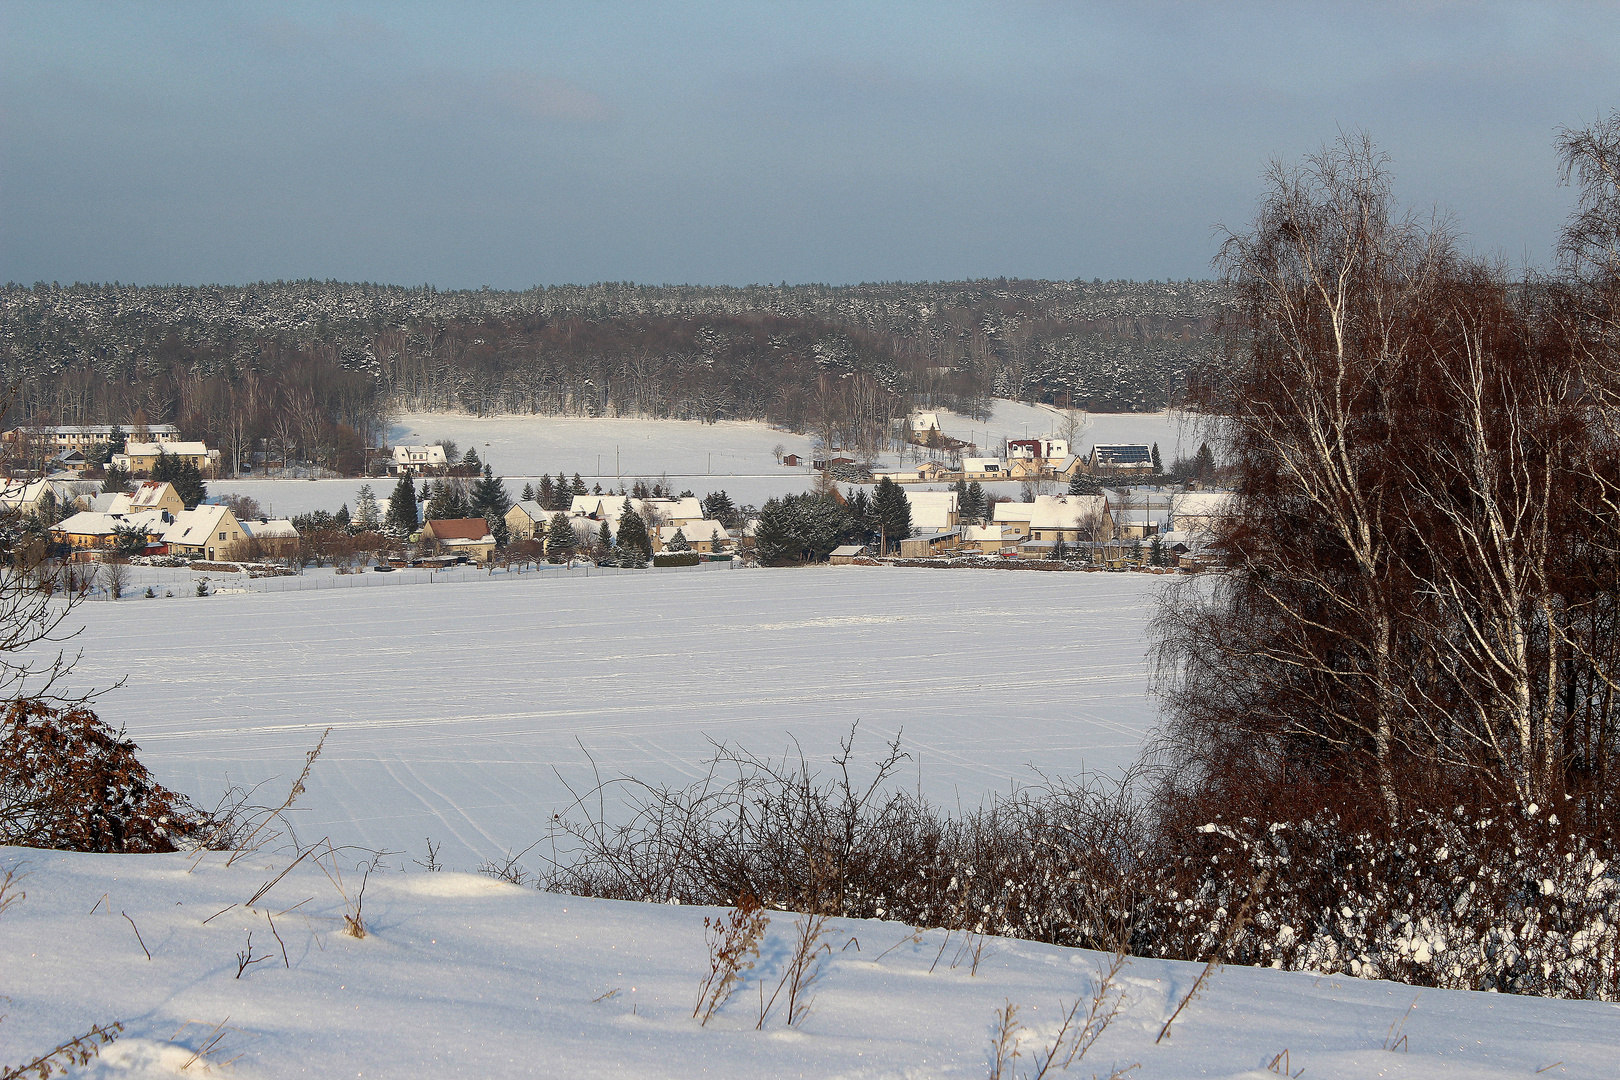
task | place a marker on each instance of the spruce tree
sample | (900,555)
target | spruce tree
(678,542)
(578,486)
(491,502)
(1158,462)
(1156,552)
(367,516)
(528,493)
(892,510)
(564,492)
(561,540)
(471,463)
(978,505)
(717,506)
(116,481)
(1204,463)
(633,532)
(341,518)
(547,495)
(1083,484)
(401,520)
(604,538)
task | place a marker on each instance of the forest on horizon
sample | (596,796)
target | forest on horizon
(322,364)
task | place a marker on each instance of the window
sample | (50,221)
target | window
(222,536)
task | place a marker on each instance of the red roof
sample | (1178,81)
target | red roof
(458,528)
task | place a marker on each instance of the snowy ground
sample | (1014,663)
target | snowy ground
(464,976)
(460,710)
(735,457)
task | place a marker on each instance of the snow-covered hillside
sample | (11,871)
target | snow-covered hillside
(461,975)
(460,711)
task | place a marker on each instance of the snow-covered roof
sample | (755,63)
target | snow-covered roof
(687,509)
(1053,511)
(149,449)
(532,509)
(270,529)
(196,527)
(702,529)
(847,549)
(1200,503)
(420,455)
(931,509)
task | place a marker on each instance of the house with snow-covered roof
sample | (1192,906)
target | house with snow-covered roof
(460,536)
(148,495)
(1199,511)
(419,459)
(932,510)
(208,532)
(1056,517)
(701,535)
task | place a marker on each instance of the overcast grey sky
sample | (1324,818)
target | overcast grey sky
(509,145)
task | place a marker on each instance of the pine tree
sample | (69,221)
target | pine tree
(633,532)
(1156,551)
(1083,484)
(892,510)
(547,495)
(341,518)
(471,462)
(564,491)
(978,506)
(716,541)
(1158,462)
(717,506)
(1204,463)
(678,542)
(366,513)
(490,501)
(528,493)
(578,487)
(116,481)
(401,520)
(561,540)
(604,538)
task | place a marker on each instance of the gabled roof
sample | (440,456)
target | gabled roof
(459,528)
(1054,511)
(532,509)
(269,529)
(196,527)
(693,530)
(151,449)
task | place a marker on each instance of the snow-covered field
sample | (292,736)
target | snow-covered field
(465,976)
(461,710)
(734,456)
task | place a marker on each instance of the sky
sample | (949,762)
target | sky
(513,145)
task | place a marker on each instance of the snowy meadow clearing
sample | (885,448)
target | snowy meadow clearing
(734,456)
(466,712)
(460,975)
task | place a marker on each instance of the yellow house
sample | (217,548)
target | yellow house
(1056,517)
(142,457)
(460,536)
(208,532)
(148,495)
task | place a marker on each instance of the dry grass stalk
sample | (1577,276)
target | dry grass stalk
(1077,1034)
(138,937)
(210,1047)
(1005,1043)
(75,1052)
(245,958)
(733,946)
(810,950)
(1283,1066)
(353,923)
(252,842)
(1396,1039)
(1231,932)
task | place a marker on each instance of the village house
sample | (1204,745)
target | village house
(89,532)
(703,536)
(1198,511)
(1123,457)
(269,538)
(923,423)
(418,459)
(932,511)
(142,457)
(85,437)
(526,520)
(845,554)
(1056,517)
(148,495)
(209,532)
(469,537)
(923,472)
(983,468)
